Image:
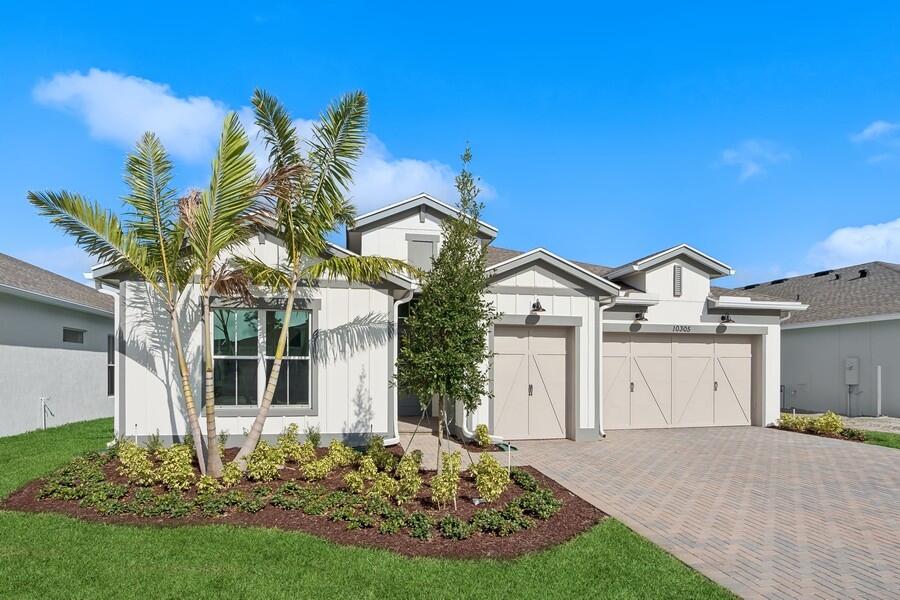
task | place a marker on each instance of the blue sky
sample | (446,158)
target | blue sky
(765,135)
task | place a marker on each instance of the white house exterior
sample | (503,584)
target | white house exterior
(579,348)
(55,349)
(843,354)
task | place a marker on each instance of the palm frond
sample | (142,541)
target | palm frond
(277,130)
(232,283)
(357,269)
(262,274)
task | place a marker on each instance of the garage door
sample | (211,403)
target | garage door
(530,373)
(660,380)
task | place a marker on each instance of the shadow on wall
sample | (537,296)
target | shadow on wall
(154,349)
(361,333)
(361,412)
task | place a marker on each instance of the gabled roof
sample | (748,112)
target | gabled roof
(857,292)
(420,202)
(713,267)
(515,260)
(21,278)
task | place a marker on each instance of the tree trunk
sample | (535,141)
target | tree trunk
(440,431)
(263,412)
(189,405)
(213,460)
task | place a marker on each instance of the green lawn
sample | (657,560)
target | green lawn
(881,438)
(51,556)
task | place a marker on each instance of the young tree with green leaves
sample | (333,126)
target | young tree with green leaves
(445,347)
(304,210)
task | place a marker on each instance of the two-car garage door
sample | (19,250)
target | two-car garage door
(663,380)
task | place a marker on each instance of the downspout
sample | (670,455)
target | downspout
(114,294)
(392,441)
(603,306)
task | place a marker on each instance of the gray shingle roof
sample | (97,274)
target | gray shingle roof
(839,293)
(21,275)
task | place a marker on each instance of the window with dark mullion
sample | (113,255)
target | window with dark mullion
(292,387)
(235,356)
(110,365)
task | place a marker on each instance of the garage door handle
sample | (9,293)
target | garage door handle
(715,386)
(530,390)
(631,386)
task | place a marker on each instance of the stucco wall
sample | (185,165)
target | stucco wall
(35,362)
(812,367)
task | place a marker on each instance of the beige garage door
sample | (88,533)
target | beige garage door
(530,371)
(661,380)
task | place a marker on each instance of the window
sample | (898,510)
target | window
(421,253)
(110,365)
(73,336)
(235,356)
(244,342)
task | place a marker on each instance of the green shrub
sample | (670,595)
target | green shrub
(524,480)
(384,460)
(231,474)
(264,462)
(135,464)
(409,481)
(445,486)
(176,469)
(482,437)
(223,442)
(313,436)
(340,454)
(318,469)
(541,504)
(73,480)
(853,434)
(491,478)
(354,482)
(488,520)
(154,443)
(391,525)
(828,424)
(501,522)
(171,504)
(104,497)
(379,507)
(794,422)
(384,486)
(453,528)
(419,525)
(291,448)
(208,483)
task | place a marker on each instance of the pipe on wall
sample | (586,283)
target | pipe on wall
(393,441)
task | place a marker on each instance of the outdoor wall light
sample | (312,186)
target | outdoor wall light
(727,319)
(640,316)
(536,306)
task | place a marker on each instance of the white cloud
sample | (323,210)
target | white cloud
(875,130)
(853,245)
(753,156)
(120,108)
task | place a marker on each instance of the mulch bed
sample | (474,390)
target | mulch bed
(832,436)
(575,517)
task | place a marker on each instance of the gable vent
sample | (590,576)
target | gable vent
(863,273)
(676,283)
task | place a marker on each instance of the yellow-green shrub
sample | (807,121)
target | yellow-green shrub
(356,480)
(829,424)
(409,481)
(384,486)
(491,478)
(135,463)
(318,469)
(482,437)
(445,486)
(208,483)
(795,422)
(231,474)
(264,462)
(292,449)
(339,454)
(176,469)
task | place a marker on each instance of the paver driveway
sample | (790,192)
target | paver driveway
(766,513)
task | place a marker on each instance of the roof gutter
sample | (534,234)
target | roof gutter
(392,441)
(737,302)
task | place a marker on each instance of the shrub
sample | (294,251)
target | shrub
(381,508)
(491,478)
(231,474)
(408,478)
(384,486)
(541,504)
(104,497)
(340,454)
(482,437)
(73,480)
(524,480)
(208,483)
(318,469)
(853,434)
(419,526)
(313,436)
(354,482)
(488,520)
(211,503)
(223,441)
(264,462)
(383,459)
(176,469)
(445,486)
(135,464)
(171,504)
(503,523)
(795,422)
(154,443)
(391,525)
(453,528)
(828,424)
(292,449)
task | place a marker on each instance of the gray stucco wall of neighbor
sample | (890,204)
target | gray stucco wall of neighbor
(813,360)
(35,362)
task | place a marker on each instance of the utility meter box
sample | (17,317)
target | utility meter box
(851,370)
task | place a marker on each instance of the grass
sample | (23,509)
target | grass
(883,438)
(52,556)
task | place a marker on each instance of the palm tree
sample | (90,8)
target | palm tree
(304,209)
(218,222)
(149,242)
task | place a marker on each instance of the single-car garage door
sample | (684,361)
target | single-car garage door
(661,380)
(530,372)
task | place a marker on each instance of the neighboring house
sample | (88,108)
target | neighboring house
(56,348)
(843,354)
(580,348)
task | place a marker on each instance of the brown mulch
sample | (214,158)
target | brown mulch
(575,517)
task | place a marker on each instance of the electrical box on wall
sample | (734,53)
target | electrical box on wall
(851,370)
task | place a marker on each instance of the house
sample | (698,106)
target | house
(843,353)
(579,349)
(56,349)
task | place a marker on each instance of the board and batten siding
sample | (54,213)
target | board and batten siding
(391,239)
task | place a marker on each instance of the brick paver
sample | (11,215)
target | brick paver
(766,513)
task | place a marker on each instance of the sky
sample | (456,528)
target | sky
(764,134)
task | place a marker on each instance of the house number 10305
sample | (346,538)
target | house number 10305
(681,328)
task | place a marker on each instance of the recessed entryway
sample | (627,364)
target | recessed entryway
(661,380)
(530,381)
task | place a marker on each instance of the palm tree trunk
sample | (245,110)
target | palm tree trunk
(189,405)
(213,460)
(263,412)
